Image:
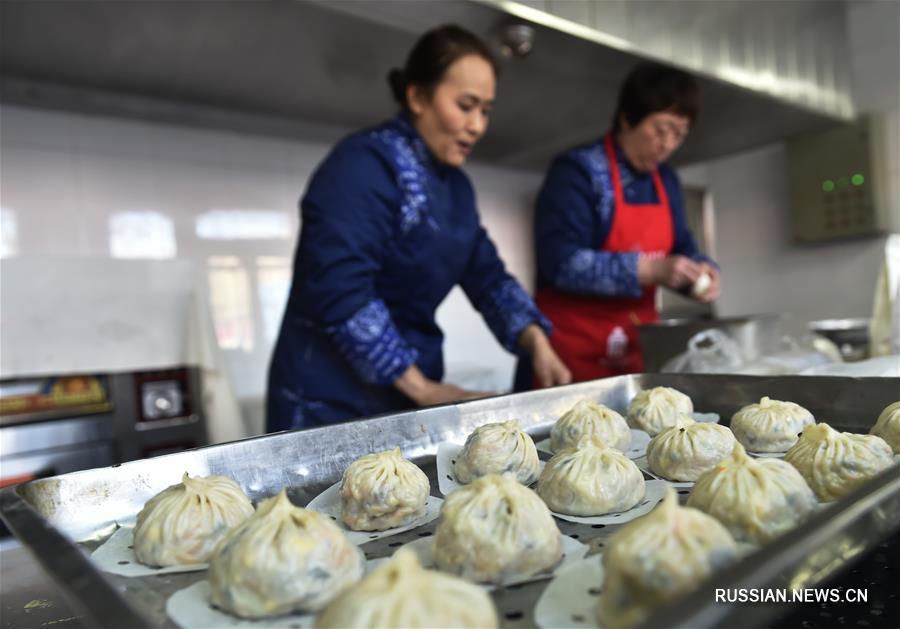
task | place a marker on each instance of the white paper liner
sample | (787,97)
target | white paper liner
(329,503)
(637,448)
(446,456)
(655,490)
(571,598)
(190,608)
(572,549)
(644,466)
(116,556)
(767,455)
(706,418)
(780,455)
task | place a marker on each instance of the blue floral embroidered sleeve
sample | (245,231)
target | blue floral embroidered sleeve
(344,231)
(573,217)
(373,346)
(506,307)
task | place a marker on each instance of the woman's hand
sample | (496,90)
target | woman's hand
(673,272)
(549,370)
(424,392)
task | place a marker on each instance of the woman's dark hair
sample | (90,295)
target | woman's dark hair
(429,59)
(651,87)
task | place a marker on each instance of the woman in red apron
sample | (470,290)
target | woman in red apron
(610,228)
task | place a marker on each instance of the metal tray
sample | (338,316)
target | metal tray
(59,518)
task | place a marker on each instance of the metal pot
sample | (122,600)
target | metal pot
(756,335)
(850,335)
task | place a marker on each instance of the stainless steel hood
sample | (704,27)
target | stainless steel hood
(317,69)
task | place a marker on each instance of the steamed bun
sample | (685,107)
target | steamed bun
(498,448)
(656,409)
(770,425)
(401,593)
(888,426)
(655,559)
(756,499)
(281,560)
(590,479)
(590,418)
(183,523)
(687,449)
(835,463)
(494,528)
(382,491)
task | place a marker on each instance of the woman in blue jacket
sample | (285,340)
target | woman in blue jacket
(610,227)
(389,227)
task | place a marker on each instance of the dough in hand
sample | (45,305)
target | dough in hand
(495,528)
(498,448)
(182,524)
(888,426)
(701,285)
(756,499)
(590,479)
(835,463)
(654,410)
(590,418)
(770,425)
(657,558)
(283,559)
(687,449)
(401,593)
(382,491)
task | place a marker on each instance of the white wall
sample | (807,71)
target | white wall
(763,271)
(64,177)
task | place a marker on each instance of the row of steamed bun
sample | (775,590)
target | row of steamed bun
(282,559)
(832,463)
(589,475)
(662,556)
(585,477)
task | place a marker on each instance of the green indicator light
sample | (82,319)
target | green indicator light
(828,185)
(842,182)
(857,179)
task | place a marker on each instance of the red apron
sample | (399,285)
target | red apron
(597,337)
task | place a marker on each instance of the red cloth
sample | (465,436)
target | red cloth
(597,337)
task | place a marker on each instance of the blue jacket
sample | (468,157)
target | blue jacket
(574,216)
(386,233)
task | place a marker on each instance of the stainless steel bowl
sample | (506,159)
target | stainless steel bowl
(850,335)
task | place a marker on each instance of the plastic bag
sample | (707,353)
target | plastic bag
(709,351)
(714,351)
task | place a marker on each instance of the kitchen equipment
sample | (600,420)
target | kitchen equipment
(58,424)
(50,515)
(850,335)
(756,335)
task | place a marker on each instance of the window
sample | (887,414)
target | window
(229,296)
(141,234)
(9,233)
(243,225)
(273,285)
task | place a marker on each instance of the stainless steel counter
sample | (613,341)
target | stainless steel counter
(28,597)
(85,506)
